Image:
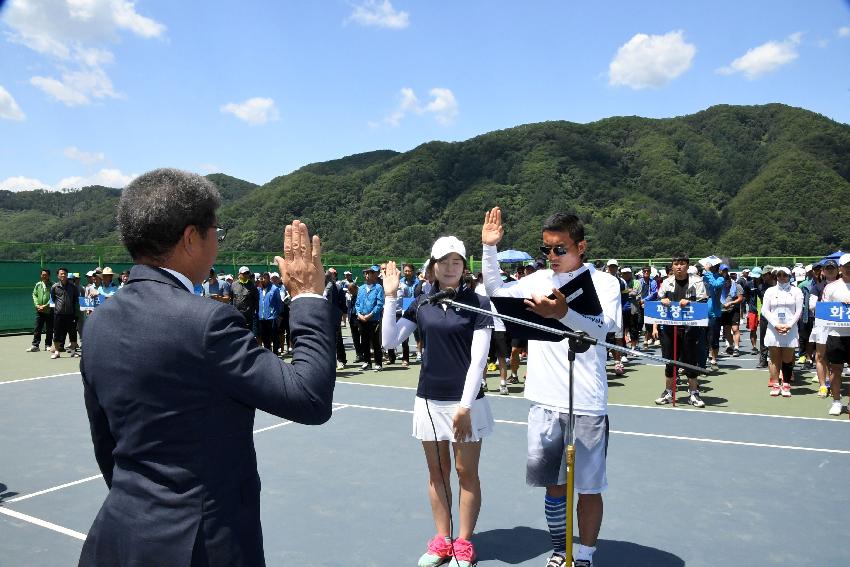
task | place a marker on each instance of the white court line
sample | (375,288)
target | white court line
(655,435)
(60,487)
(282,423)
(43,524)
(39,378)
(654,408)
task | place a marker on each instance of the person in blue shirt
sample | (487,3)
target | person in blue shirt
(107,287)
(713,286)
(370,308)
(649,288)
(268,308)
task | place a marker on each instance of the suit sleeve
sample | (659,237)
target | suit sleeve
(101,436)
(301,391)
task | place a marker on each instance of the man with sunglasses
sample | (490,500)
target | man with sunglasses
(548,386)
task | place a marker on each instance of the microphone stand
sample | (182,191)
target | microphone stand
(579,342)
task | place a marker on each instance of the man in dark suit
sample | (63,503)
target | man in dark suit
(171,382)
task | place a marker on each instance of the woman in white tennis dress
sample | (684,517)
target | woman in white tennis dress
(782,306)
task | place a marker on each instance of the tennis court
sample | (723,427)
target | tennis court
(749,480)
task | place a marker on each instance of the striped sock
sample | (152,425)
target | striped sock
(556,518)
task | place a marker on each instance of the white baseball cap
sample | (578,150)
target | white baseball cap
(845,258)
(445,245)
(692,270)
(244,270)
(612,262)
(626,270)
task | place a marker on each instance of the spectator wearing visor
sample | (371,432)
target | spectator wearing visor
(782,308)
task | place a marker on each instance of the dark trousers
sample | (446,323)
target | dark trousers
(687,347)
(370,341)
(354,325)
(340,346)
(268,334)
(43,320)
(62,325)
(762,331)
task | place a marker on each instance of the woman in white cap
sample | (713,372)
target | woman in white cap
(450,410)
(782,307)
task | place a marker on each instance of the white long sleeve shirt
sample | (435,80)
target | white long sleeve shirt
(547,382)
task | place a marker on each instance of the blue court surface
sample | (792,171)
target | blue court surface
(686,487)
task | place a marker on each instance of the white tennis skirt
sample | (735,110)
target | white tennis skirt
(442,415)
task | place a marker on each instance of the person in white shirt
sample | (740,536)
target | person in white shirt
(838,339)
(782,307)
(548,383)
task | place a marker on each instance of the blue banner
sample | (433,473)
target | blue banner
(833,314)
(407,302)
(695,314)
(90,302)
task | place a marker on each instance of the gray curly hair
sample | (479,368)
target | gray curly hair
(158,205)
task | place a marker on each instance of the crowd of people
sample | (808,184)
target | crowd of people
(457,347)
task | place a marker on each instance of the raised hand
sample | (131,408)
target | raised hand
(391,279)
(301,266)
(492,231)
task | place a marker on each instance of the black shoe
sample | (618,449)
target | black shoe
(762,364)
(557,560)
(582,563)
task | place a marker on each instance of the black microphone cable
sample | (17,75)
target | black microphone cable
(445,483)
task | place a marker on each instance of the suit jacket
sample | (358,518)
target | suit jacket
(171,382)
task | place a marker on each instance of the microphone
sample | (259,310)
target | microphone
(448,293)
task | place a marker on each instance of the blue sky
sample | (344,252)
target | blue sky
(98,91)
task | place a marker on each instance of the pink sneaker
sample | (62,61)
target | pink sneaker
(619,369)
(786,390)
(465,553)
(774,390)
(439,552)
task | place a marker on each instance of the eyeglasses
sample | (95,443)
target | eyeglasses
(220,233)
(560,249)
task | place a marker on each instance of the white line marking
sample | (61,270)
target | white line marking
(39,378)
(43,524)
(60,487)
(654,435)
(656,408)
(282,423)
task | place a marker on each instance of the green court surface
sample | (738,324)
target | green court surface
(737,387)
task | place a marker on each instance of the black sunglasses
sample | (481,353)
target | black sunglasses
(560,249)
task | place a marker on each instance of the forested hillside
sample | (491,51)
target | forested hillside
(767,180)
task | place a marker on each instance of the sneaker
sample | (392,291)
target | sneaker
(75,353)
(366,366)
(665,398)
(582,563)
(823,392)
(736,352)
(512,379)
(729,350)
(754,351)
(802,359)
(464,553)
(439,552)
(340,366)
(696,401)
(405,364)
(774,390)
(503,389)
(33,349)
(377,368)
(491,367)
(55,355)
(619,370)
(418,357)
(836,407)
(786,390)
(714,366)
(808,365)
(557,560)
(624,359)
(761,364)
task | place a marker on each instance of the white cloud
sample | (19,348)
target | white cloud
(20,183)
(105,177)
(77,87)
(9,109)
(651,60)
(765,58)
(379,14)
(254,111)
(844,31)
(72,33)
(443,107)
(208,168)
(87,158)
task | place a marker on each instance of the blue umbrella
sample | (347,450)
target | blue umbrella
(834,256)
(513,256)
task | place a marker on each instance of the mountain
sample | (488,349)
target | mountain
(732,180)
